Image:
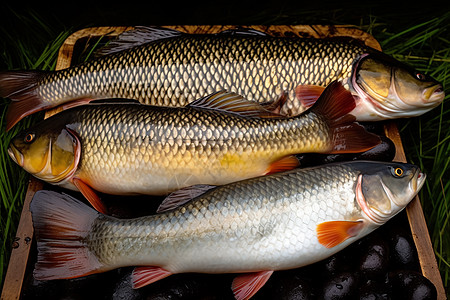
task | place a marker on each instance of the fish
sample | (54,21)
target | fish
(250,228)
(165,67)
(133,148)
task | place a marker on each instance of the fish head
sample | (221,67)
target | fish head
(50,153)
(394,89)
(384,189)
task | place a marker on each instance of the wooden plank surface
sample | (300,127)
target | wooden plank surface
(21,247)
(417,222)
(20,252)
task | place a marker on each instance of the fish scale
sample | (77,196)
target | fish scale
(162,139)
(253,221)
(132,148)
(165,67)
(256,226)
(176,71)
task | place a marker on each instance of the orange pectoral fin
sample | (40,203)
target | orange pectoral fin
(285,164)
(331,234)
(90,195)
(246,285)
(143,276)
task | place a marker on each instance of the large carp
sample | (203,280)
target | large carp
(160,66)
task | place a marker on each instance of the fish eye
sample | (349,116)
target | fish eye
(420,76)
(397,172)
(29,137)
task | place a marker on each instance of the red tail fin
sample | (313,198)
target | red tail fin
(61,223)
(20,86)
(335,104)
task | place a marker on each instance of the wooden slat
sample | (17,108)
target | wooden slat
(21,247)
(19,256)
(66,50)
(417,222)
(312,31)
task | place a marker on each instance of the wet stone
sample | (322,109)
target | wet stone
(374,261)
(411,285)
(403,251)
(340,286)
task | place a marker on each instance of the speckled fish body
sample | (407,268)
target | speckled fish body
(261,224)
(140,149)
(166,67)
(275,222)
(136,149)
(258,68)
(180,69)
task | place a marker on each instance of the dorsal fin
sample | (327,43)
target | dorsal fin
(243,32)
(136,37)
(182,196)
(233,103)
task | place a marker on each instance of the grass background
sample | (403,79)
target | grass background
(417,33)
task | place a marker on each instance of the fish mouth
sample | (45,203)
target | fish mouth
(434,94)
(15,155)
(418,181)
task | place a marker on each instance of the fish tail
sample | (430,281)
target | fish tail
(61,225)
(335,105)
(21,87)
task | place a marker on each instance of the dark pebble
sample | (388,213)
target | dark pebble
(374,261)
(411,285)
(340,286)
(403,251)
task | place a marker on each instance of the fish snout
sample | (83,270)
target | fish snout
(419,180)
(433,94)
(15,155)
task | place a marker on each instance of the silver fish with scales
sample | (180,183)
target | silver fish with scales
(130,148)
(257,226)
(160,66)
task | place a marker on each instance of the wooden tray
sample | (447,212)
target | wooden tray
(22,244)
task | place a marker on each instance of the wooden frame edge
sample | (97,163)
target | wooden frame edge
(14,277)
